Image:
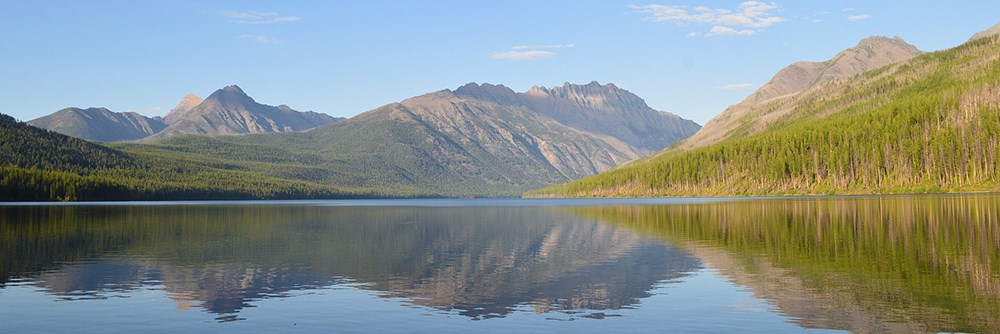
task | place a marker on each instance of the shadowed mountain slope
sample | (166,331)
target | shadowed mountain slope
(100,124)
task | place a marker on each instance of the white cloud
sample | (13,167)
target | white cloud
(261,39)
(529,52)
(848,9)
(757,8)
(736,86)
(749,14)
(859,17)
(522,55)
(727,31)
(547,46)
(258,17)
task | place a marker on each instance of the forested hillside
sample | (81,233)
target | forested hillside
(750,115)
(40,165)
(930,124)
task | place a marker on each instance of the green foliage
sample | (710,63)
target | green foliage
(929,125)
(30,147)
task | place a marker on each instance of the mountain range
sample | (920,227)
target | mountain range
(880,117)
(476,140)
(228,111)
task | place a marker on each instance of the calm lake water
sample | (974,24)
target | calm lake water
(863,264)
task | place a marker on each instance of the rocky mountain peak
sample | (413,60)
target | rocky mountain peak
(880,50)
(487,92)
(187,103)
(473,87)
(233,89)
(870,53)
(596,95)
(538,91)
(882,40)
(592,87)
(230,96)
(190,100)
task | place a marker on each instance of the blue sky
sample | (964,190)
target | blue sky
(692,58)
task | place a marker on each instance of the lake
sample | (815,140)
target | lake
(862,264)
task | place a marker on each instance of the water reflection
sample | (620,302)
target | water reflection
(891,264)
(477,262)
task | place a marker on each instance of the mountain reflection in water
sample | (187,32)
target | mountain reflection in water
(477,262)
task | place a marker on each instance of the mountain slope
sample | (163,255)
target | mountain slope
(740,119)
(988,32)
(230,111)
(929,124)
(613,111)
(447,138)
(99,124)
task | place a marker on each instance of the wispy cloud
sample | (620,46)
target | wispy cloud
(736,86)
(258,17)
(529,52)
(547,46)
(859,17)
(261,39)
(747,19)
(848,9)
(522,55)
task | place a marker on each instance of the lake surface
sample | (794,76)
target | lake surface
(863,264)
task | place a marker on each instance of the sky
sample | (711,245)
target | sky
(692,58)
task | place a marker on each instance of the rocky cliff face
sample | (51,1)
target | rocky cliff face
(869,54)
(612,111)
(504,128)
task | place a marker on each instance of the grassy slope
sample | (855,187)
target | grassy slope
(928,125)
